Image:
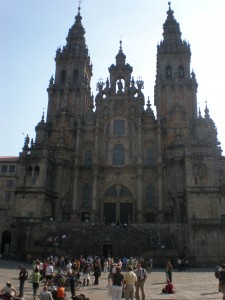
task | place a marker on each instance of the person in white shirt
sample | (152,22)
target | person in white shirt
(49,272)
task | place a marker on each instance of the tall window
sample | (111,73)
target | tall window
(86,196)
(29,171)
(150,197)
(63,76)
(149,157)
(36,171)
(75,76)
(168,72)
(118,155)
(181,72)
(119,127)
(88,159)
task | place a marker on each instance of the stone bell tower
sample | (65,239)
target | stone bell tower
(176,86)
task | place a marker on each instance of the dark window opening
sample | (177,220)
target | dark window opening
(29,171)
(36,171)
(119,127)
(86,196)
(150,197)
(75,76)
(63,76)
(118,155)
(88,159)
(168,72)
(12,169)
(181,72)
(4,169)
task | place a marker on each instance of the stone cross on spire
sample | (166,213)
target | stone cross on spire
(79,3)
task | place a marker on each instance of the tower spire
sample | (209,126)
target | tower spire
(79,6)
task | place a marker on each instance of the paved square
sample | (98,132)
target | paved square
(192,285)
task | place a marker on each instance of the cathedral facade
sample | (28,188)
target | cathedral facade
(110,160)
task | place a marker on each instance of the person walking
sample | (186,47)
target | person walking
(35,281)
(86,274)
(140,284)
(72,281)
(222,280)
(117,284)
(130,280)
(45,294)
(23,275)
(97,274)
(169,269)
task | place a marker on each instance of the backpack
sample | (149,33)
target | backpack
(217,271)
(222,277)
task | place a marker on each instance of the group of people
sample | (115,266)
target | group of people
(125,276)
(131,282)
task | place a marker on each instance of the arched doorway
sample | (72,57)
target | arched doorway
(118,205)
(6,241)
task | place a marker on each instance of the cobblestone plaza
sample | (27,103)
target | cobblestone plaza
(191,285)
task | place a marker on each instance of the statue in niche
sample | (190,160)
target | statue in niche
(171,203)
(120,86)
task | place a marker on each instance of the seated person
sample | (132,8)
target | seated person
(8,291)
(168,288)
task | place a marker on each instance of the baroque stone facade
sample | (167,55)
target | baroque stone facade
(111,160)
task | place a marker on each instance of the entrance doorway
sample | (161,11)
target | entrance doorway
(126,213)
(107,250)
(109,213)
(6,241)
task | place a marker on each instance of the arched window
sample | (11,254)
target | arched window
(29,171)
(168,72)
(149,159)
(119,127)
(150,197)
(118,155)
(86,196)
(63,76)
(75,76)
(36,171)
(88,159)
(181,72)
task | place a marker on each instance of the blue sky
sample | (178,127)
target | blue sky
(31,31)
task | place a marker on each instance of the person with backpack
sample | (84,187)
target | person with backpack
(23,275)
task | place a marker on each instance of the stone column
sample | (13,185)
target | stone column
(75,191)
(139,194)
(117,209)
(94,192)
(159,172)
(96,158)
(76,168)
(140,158)
(59,179)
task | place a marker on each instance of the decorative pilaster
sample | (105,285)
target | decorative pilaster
(139,194)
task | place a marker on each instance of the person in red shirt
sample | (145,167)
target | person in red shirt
(168,288)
